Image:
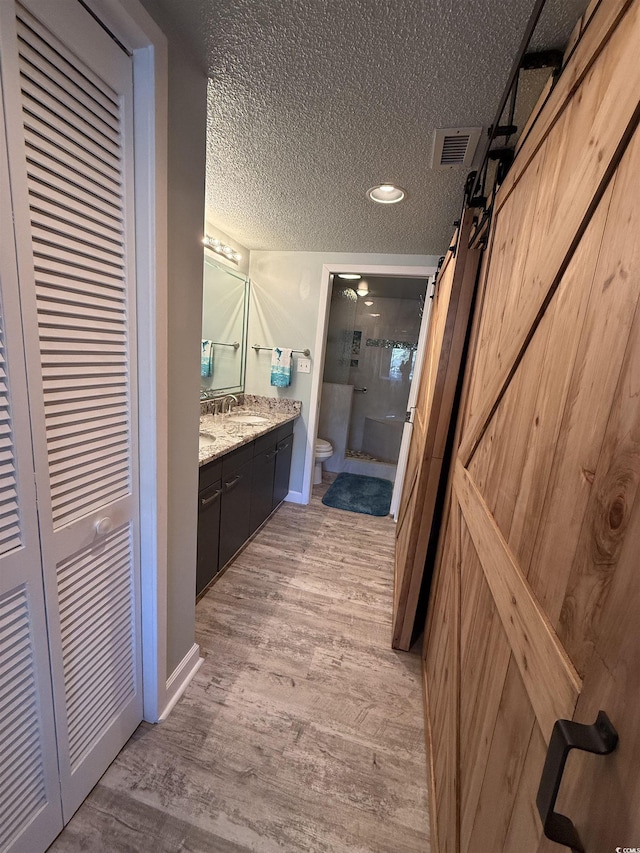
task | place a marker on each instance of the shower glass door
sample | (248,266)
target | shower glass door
(371,352)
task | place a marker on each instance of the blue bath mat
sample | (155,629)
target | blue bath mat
(356,493)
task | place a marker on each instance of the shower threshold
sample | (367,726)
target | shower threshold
(357,462)
(366,457)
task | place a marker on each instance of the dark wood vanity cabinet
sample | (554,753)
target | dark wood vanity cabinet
(284,449)
(237,468)
(209,495)
(237,494)
(264,467)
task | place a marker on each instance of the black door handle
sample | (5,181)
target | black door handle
(600,738)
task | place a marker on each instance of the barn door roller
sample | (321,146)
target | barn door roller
(600,738)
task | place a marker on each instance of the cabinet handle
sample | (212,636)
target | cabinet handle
(206,501)
(232,483)
(271,454)
(600,738)
(284,447)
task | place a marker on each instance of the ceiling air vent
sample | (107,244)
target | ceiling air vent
(455,146)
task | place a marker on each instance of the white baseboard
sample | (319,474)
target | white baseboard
(180,678)
(295,498)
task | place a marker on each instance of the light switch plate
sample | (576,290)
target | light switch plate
(304,365)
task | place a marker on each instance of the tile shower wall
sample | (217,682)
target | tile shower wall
(342,322)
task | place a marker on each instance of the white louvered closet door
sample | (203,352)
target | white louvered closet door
(30,809)
(71,159)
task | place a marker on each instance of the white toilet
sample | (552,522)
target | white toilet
(324,450)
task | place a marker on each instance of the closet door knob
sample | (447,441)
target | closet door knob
(104,526)
(600,738)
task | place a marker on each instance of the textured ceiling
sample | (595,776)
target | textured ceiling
(311,102)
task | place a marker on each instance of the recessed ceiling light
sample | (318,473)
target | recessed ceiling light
(349,276)
(368,302)
(386,194)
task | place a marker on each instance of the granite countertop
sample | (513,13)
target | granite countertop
(227,435)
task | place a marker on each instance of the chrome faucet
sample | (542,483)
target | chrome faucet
(232,399)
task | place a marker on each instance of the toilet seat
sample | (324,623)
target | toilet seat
(323,451)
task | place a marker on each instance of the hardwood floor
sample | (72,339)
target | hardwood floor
(302,731)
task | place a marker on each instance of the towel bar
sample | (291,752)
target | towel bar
(306,352)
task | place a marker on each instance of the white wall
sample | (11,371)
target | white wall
(186,177)
(284,311)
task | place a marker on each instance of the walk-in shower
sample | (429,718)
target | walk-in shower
(372,339)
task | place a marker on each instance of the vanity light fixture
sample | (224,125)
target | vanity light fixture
(349,276)
(363,289)
(386,194)
(374,315)
(221,249)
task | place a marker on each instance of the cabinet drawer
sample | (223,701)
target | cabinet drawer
(285,430)
(265,442)
(237,458)
(209,474)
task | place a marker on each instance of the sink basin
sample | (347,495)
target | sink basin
(241,418)
(204,440)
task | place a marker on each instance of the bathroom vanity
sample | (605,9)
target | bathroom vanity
(245,451)
(245,460)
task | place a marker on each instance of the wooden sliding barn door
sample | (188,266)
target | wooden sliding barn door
(432,415)
(535,606)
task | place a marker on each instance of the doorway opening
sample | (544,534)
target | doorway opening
(374,333)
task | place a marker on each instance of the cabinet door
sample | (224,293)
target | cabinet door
(234,512)
(283,469)
(264,466)
(208,535)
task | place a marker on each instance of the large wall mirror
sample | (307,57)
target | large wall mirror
(225,303)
